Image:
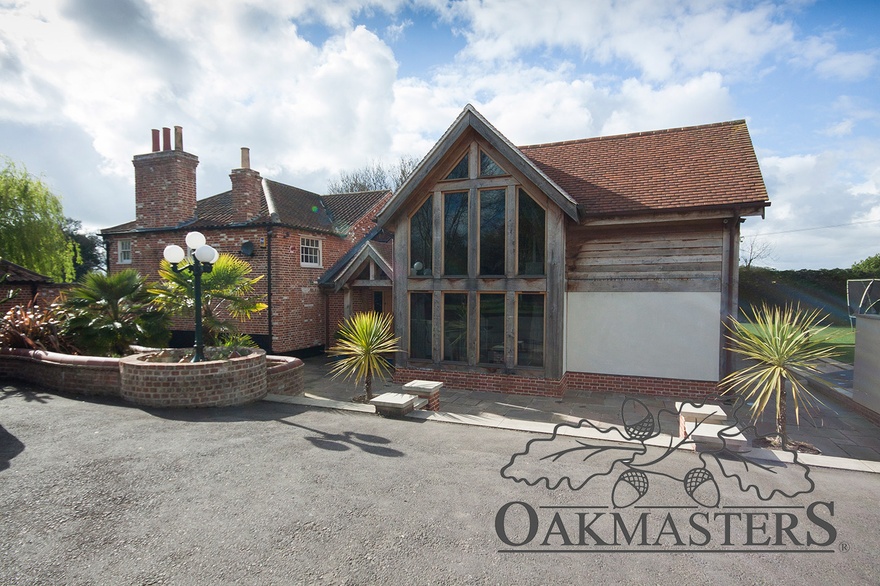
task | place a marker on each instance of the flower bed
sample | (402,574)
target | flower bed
(160,379)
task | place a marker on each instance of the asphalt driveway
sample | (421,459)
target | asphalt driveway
(106,493)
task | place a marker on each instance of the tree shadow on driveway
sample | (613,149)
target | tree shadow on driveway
(10,447)
(341,442)
(280,412)
(26,392)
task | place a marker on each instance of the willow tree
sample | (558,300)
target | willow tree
(32,225)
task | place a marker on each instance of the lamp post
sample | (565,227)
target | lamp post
(202,259)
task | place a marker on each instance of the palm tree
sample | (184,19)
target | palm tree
(362,341)
(781,346)
(107,313)
(227,289)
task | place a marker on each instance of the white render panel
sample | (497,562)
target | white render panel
(658,334)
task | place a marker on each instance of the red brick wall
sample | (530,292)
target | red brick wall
(215,383)
(82,375)
(523,385)
(284,375)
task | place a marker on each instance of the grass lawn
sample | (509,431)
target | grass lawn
(844,338)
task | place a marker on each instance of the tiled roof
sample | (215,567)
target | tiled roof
(350,207)
(300,208)
(293,207)
(217,211)
(18,274)
(708,166)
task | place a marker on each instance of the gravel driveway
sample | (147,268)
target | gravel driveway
(106,493)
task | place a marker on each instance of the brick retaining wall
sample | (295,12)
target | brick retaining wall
(83,375)
(212,383)
(284,375)
(97,376)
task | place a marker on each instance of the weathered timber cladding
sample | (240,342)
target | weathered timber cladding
(678,259)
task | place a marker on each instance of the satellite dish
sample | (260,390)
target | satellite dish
(247,248)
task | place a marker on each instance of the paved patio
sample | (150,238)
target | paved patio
(833,428)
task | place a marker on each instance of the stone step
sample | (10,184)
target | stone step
(706,436)
(707,413)
(394,404)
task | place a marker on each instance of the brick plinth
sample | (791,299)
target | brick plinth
(523,385)
(213,383)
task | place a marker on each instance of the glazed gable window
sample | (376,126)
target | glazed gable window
(531,236)
(477,248)
(455,233)
(420,330)
(421,239)
(492,233)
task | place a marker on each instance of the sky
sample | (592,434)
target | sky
(316,87)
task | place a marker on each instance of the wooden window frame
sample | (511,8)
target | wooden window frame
(306,244)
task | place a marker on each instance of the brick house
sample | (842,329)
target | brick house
(599,264)
(289,235)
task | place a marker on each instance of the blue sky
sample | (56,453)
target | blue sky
(314,87)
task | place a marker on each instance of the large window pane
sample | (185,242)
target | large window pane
(421,241)
(420,325)
(488,167)
(530,330)
(455,237)
(492,328)
(455,326)
(532,236)
(460,171)
(492,232)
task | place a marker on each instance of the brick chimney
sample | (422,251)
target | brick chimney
(165,183)
(247,190)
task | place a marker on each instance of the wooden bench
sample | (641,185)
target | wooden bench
(425,389)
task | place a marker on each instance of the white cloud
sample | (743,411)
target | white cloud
(664,39)
(824,207)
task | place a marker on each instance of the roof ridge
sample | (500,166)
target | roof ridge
(357,192)
(634,134)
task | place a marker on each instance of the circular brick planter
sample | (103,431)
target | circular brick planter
(213,383)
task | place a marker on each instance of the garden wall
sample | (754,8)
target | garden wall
(96,376)
(83,375)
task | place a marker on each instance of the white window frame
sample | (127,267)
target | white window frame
(123,252)
(307,247)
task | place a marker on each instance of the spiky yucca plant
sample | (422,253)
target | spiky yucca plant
(363,339)
(781,345)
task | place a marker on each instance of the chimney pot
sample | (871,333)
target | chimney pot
(178,138)
(245,158)
(155,140)
(166,139)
